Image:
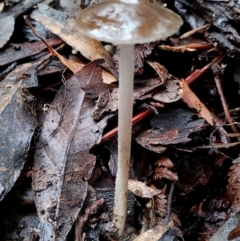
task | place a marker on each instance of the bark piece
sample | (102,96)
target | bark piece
(171,127)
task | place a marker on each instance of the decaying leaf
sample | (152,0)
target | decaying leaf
(169,92)
(193,102)
(141,51)
(141,189)
(233,187)
(72,65)
(63,163)
(68,31)
(170,127)
(17,125)
(6,29)
(140,131)
(187,47)
(20,51)
(161,71)
(223,15)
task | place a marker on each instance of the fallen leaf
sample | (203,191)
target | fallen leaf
(63,163)
(108,101)
(169,127)
(68,31)
(233,187)
(161,71)
(20,51)
(193,102)
(72,65)
(141,51)
(17,125)
(140,189)
(170,92)
(108,78)
(191,47)
(6,29)
(139,134)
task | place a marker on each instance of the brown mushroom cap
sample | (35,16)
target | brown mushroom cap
(128,21)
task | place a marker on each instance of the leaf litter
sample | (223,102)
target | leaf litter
(63,163)
(182,137)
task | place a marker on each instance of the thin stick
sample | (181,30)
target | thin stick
(125,109)
(198,72)
(217,78)
(169,204)
(135,120)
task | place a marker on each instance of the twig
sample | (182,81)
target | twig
(193,31)
(135,119)
(217,78)
(169,204)
(199,72)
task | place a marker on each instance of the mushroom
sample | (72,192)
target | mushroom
(126,22)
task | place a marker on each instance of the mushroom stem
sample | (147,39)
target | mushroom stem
(125,109)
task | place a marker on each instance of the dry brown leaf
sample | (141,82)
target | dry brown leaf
(193,102)
(10,54)
(233,187)
(68,31)
(191,47)
(161,70)
(108,78)
(170,92)
(72,65)
(141,189)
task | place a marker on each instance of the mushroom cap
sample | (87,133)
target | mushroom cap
(128,21)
